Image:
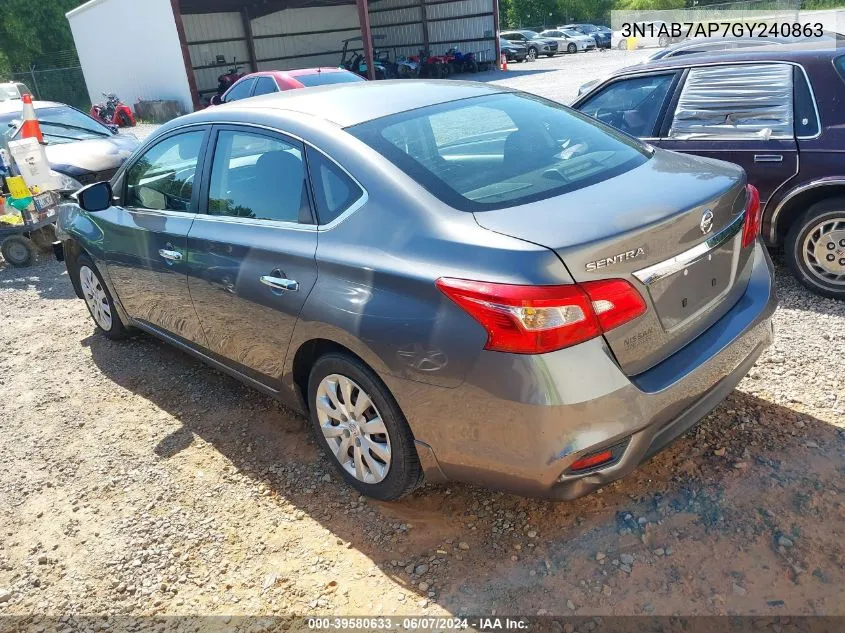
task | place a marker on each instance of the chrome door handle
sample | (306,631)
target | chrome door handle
(278,283)
(172,256)
(768,158)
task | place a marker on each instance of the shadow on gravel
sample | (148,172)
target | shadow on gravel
(47,276)
(750,473)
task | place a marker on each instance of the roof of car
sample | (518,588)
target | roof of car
(297,72)
(352,103)
(799,53)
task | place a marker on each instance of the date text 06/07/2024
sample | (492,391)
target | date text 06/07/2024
(677,30)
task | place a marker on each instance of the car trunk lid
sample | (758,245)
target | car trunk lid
(672,227)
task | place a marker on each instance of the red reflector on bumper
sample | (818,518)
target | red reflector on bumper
(591,461)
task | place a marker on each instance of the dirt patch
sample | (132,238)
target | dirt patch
(138,481)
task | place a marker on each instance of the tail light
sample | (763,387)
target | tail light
(753,216)
(539,319)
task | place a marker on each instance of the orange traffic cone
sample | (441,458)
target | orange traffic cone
(30,127)
(504,62)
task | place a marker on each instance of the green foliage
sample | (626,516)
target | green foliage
(30,29)
(650,5)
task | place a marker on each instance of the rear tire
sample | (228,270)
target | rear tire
(532,53)
(663,41)
(622,45)
(362,450)
(18,251)
(98,299)
(571,48)
(815,238)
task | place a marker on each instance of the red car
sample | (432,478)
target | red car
(270,81)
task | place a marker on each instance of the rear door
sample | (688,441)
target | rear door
(252,248)
(145,237)
(741,113)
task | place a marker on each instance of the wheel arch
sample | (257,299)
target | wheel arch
(308,352)
(793,205)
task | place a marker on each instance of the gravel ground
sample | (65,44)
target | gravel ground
(139,481)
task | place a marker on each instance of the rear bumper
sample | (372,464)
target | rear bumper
(519,422)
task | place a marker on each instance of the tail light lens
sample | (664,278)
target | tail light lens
(753,216)
(539,319)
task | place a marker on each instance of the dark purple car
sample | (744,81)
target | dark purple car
(775,111)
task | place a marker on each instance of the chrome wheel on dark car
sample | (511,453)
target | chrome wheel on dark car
(816,248)
(532,54)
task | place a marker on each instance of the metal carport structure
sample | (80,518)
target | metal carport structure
(283,34)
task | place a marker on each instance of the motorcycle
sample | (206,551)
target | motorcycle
(227,80)
(113,112)
(462,62)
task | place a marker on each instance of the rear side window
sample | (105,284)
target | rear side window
(806,119)
(324,79)
(500,150)
(631,105)
(334,190)
(745,101)
(265,86)
(258,177)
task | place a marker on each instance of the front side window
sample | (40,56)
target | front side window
(744,101)
(163,178)
(500,150)
(258,177)
(240,90)
(631,105)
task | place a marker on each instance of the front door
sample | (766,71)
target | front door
(740,113)
(145,236)
(252,249)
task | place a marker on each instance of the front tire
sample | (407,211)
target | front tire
(99,300)
(361,428)
(663,41)
(815,248)
(622,45)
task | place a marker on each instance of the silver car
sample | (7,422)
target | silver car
(453,280)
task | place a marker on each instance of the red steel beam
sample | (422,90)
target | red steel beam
(186,54)
(366,36)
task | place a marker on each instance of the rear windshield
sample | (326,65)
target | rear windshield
(501,150)
(324,79)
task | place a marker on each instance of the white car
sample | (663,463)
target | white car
(570,41)
(651,36)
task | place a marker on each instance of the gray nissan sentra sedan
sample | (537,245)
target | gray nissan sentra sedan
(454,280)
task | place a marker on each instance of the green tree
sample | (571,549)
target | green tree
(30,29)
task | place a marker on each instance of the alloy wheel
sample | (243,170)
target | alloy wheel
(532,54)
(823,250)
(96,298)
(353,428)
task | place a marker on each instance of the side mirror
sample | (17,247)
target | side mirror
(96,197)
(216,100)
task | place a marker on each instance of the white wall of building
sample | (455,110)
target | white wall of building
(131,48)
